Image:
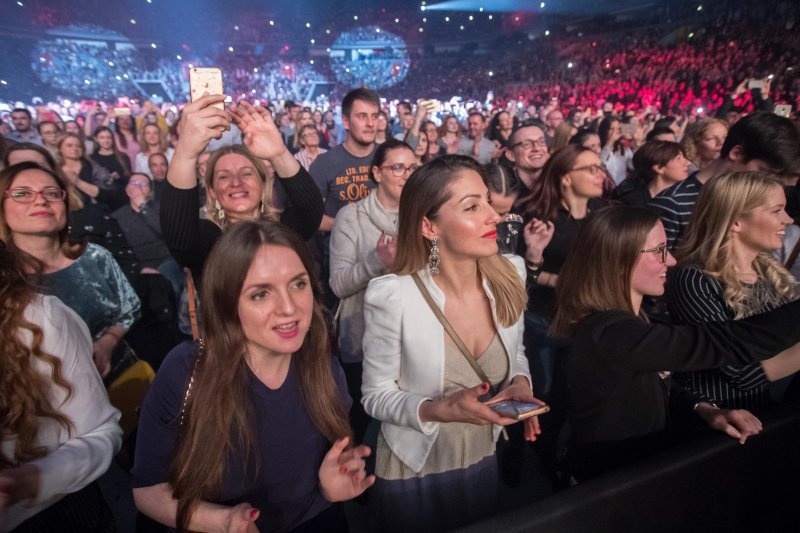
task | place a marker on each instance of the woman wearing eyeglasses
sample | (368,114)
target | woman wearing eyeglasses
(569,187)
(363,246)
(727,272)
(620,408)
(33,223)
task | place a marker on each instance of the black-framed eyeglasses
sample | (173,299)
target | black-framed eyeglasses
(594,170)
(661,249)
(527,144)
(399,169)
(27,196)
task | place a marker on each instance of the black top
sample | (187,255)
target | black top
(615,389)
(541,299)
(190,238)
(112,164)
(632,192)
(142,229)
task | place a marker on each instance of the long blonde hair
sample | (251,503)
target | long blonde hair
(709,245)
(423,195)
(268,210)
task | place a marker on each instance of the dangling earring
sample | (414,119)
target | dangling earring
(263,209)
(433,257)
(220,211)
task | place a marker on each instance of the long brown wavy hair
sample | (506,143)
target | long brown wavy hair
(426,190)
(709,244)
(26,392)
(218,415)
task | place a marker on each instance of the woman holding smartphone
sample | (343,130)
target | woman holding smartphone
(237,184)
(435,462)
(618,408)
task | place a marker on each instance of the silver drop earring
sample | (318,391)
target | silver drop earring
(433,257)
(220,211)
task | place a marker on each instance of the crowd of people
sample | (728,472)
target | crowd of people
(351,300)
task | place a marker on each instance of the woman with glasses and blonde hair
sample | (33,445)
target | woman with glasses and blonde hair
(33,223)
(727,272)
(363,247)
(435,459)
(620,407)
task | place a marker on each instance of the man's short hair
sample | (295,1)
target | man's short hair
(512,139)
(22,110)
(406,104)
(362,93)
(157,154)
(474,113)
(45,123)
(767,137)
(655,132)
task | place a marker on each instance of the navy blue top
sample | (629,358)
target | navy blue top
(290,448)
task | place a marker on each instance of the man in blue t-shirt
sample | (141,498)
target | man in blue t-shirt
(760,142)
(342,173)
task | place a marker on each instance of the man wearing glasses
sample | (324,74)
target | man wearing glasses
(527,149)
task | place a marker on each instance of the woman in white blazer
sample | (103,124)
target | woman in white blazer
(435,458)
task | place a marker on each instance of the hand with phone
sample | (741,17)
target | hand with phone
(520,391)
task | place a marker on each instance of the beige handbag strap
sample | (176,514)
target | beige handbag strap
(452,332)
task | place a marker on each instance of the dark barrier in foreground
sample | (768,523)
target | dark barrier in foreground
(713,484)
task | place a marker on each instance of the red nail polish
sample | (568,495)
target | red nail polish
(343,470)
(254,514)
(485,386)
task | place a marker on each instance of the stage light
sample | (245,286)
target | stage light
(461,27)
(471,17)
(377,30)
(110,63)
(191,66)
(422,8)
(311,61)
(230,49)
(541,5)
(20,5)
(480,9)
(397,21)
(255,69)
(308,24)
(447,19)
(133,21)
(328,31)
(153,45)
(490,17)
(42,60)
(313,41)
(4,82)
(569,65)
(421,30)
(328,50)
(271,22)
(178,57)
(546,33)
(119,78)
(355,17)
(424,19)
(691,35)
(700,7)
(236,28)
(491,73)
(87,82)
(253,91)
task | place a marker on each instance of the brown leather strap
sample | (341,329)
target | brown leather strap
(192,304)
(793,256)
(450,331)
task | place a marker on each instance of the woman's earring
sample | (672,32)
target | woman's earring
(220,211)
(433,257)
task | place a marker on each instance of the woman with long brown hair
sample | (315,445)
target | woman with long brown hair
(59,431)
(435,458)
(152,140)
(33,223)
(620,407)
(251,429)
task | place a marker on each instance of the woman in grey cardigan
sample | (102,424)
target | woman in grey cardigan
(362,248)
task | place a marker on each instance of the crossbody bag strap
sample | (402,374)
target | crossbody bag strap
(450,331)
(192,304)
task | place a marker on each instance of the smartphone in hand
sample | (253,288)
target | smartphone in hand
(205,80)
(519,410)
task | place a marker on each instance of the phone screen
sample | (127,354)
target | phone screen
(205,80)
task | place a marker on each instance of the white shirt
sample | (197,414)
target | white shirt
(72,461)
